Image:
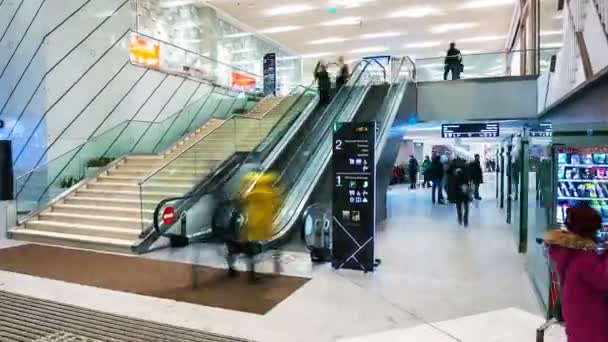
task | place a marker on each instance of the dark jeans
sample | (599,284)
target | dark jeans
(462,209)
(454,68)
(413,181)
(324,96)
(437,191)
(476,190)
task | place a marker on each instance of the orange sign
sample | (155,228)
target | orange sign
(144,51)
(242,81)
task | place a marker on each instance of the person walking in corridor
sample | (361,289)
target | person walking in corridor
(435,174)
(459,189)
(412,171)
(583,272)
(323,82)
(453,63)
(476,174)
(426,166)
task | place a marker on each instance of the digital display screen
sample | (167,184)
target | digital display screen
(541,129)
(470,130)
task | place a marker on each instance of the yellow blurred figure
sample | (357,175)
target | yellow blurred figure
(260,205)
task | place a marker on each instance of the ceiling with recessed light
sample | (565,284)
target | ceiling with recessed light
(353,28)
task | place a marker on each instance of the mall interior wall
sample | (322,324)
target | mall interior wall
(478,99)
(66,76)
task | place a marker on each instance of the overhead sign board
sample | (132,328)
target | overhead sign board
(354,202)
(541,129)
(470,130)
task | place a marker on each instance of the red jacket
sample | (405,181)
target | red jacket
(584,276)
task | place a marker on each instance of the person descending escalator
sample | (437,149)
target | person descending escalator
(343,73)
(324,83)
(259,206)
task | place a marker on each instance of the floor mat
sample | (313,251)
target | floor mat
(27,319)
(171,280)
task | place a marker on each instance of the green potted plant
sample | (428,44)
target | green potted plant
(93,165)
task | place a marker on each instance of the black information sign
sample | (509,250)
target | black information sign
(470,130)
(541,129)
(270,74)
(354,203)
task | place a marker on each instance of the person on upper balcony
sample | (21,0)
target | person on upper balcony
(453,63)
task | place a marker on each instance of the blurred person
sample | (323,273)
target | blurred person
(343,73)
(459,189)
(435,174)
(476,175)
(426,166)
(583,274)
(412,171)
(323,81)
(260,203)
(453,63)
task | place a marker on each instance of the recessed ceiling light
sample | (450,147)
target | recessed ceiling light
(369,49)
(481,39)
(381,35)
(316,55)
(343,21)
(350,3)
(551,33)
(328,40)
(422,45)
(289,9)
(486,3)
(279,29)
(416,12)
(552,45)
(443,28)
(238,35)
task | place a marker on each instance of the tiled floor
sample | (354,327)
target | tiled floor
(432,271)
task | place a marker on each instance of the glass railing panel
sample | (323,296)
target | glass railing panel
(179,175)
(127,139)
(484,65)
(42,184)
(178,126)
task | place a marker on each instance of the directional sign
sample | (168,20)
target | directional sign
(470,130)
(354,203)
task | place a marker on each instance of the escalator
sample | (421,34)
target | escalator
(302,163)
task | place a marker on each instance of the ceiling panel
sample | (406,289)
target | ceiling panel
(420,28)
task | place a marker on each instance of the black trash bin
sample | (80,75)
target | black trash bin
(6,171)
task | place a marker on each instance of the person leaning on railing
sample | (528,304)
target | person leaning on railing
(583,273)
(453,63)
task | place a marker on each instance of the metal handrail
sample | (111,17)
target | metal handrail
(162,167)
(490,53)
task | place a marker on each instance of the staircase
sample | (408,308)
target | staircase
(110,211)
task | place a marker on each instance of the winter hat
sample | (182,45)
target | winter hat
(584,222)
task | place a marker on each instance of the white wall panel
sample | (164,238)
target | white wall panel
(49,17)
(512,98)
(162,95)
(179,100)
(17,29)
(7,10)
(595,38)
(135,99)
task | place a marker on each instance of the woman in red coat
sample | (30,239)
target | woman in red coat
(584,276)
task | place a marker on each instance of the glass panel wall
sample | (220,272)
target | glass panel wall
(199,28)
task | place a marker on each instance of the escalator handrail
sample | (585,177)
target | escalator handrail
(266,169)
(233,116)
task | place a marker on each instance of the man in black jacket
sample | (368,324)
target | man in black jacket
(476,174)
(453,63)
(435,174)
